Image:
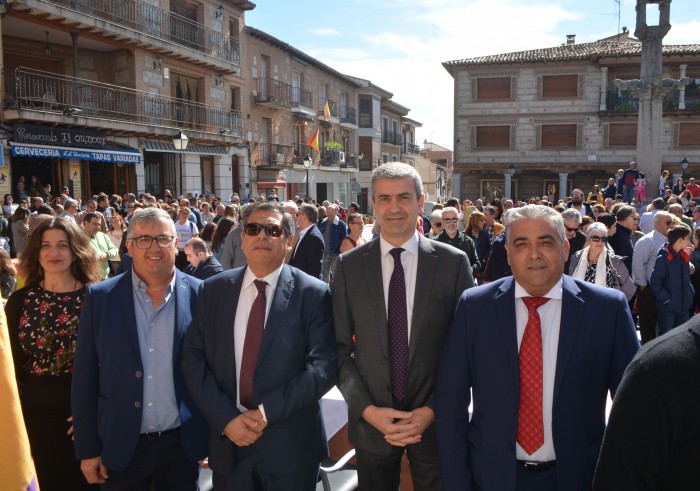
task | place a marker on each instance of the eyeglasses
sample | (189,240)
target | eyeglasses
(569,229)
(577,194)
(438,224)
(145,241)
(253,229)
(450,220)
(669,223)
(598,238)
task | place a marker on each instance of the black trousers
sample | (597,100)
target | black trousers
(250,474)
(646,305)
(158,464)
(383,472)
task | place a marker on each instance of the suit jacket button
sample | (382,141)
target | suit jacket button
(138,374)
(137,404)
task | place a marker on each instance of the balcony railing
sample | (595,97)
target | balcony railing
(412,148)
(269,90)
(34,90)
(300,152)
(622,101)
(692,99)
(348,115)
(391,137)
(332,106)
(302,98)
(271,154)
(159,23)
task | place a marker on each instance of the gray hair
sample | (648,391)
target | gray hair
(598,227)
(287,219)
(397,170)
(290,205)
(571,215)
(149,215)
(450,209)
(537,212)
(505,217)
(309,211)
(435,215)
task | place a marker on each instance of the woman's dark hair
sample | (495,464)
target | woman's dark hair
(677,233)
(20,213)
(207,233)
(84,266)
(6,265)
(222,229)
(607,219)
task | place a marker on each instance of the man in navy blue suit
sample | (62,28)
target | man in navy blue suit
(308,253)
(136,426)
(539,352)
(258,358)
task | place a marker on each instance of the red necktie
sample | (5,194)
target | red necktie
(251,346)
(530,424)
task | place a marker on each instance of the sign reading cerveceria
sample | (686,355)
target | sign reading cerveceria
(63,137)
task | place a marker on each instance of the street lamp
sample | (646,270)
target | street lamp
(684,166)
(511,170)
(180,141)
(307,165)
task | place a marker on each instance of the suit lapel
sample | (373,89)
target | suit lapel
(425,276)
(278,309)
(372,269)
(505,310)
(225,313)
(569,326)
(182,317)
(124,290)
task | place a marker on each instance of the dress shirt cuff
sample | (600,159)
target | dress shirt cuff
(262,411)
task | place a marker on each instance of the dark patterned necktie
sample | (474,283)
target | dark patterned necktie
(251,346)
(530,420)
(398,328)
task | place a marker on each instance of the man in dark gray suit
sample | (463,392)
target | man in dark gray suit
(233,256)
(389,345)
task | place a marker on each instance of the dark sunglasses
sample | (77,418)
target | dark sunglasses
(450,220)
(596,238)
(569,229)
(253,229)
(438,224)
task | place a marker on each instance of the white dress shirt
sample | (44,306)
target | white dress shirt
(409,261)
(550,319)
(249,293)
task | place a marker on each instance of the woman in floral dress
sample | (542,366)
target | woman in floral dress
(43,320)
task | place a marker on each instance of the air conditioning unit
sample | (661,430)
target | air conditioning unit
(341,156)
(279,158)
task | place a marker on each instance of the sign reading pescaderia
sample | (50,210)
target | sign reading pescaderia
(62,137)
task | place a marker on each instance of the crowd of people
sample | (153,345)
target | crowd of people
(152,336)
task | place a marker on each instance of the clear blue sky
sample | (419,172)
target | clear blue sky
(400,44)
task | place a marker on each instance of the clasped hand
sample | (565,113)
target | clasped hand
(246,428)
(400,428)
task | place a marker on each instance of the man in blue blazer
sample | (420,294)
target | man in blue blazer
(257,360)
(136,426)
(308,253)
(539,352)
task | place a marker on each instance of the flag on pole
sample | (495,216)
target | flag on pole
(16,464)
(313,141)
(326,111)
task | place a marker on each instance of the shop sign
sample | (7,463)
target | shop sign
(64,137)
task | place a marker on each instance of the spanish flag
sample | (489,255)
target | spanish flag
(326,112)
(16,464)
(313,141)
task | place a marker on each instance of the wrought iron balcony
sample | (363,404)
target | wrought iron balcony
(34,90)
(272,92)
(412,148)
(301,151)
(152,21)
(391,138)
(332,106)
(622,101)
(302,98)
(348,115)
(271,154)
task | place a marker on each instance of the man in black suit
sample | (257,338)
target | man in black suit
(393,301)
(652,441)
(308,253)
(258,358)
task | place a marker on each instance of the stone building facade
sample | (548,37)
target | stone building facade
(558,117)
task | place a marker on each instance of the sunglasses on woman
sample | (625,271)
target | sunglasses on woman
(596,238)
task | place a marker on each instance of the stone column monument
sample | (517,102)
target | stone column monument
(651,88)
